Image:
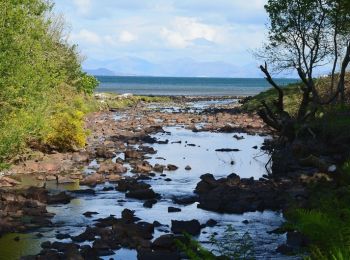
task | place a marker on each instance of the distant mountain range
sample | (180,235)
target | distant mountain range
(130,66)
(100,72)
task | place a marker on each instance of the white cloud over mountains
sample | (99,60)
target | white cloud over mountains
(162,31)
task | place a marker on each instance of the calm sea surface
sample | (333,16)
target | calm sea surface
(185,86)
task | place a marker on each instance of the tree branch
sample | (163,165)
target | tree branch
(280,104)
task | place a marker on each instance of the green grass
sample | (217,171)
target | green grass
(292,98)
(113,100)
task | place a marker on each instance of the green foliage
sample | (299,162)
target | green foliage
(112,100)
(333,123)
(193,249)
(40,74)
(326,219)
(231,245)
(87,83)
(66,129)
(292,98)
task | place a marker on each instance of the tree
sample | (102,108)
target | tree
(303,36)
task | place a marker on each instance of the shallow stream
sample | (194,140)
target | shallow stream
(196,150)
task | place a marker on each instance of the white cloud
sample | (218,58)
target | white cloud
(184,30)
(85,36)
(126,36)
(84,6)
(164,30)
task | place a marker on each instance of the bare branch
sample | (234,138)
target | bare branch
(280,104)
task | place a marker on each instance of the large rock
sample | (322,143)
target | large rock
(143,167)
(92,180)
(132,154)
(104,152)
(111,167)
(235,195)
(137,190)
(192,227)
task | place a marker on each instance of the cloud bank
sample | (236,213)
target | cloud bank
(161,33)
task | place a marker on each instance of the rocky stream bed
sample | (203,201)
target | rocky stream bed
(148,174)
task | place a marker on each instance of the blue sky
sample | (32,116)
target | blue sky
(167,37)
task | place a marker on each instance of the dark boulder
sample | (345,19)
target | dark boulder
(192,227)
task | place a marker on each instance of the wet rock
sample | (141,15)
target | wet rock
(191,227)
(166,242)
(149,203)
(102,247)
(235,195)
(62,236)
(148,139)
(128,215)
(185,200)
(188,168)
(142,194)
(83,192)
(89,214)
(60,198)
(88,235)
(211,223)
(137,190)
(173,209)
(110,188)
(159,168)
(143,177)
(171,167)
(88,252)
(245,221)
(147,150)
(167,179)
(227,150)
(237,137)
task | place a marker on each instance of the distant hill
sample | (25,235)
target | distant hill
(100,72)
(132,66)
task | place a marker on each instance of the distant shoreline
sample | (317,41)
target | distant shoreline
(186,86)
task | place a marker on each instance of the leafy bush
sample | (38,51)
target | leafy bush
(67,131)
(231,245)
(87,83)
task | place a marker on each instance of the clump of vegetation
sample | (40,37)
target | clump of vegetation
(40,80)
(230,245)
(304,35)
(115,101)
(325,220)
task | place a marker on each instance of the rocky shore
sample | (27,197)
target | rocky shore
(121,143)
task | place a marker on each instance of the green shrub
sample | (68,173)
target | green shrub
(67,131)
(87,83)
(230,245)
